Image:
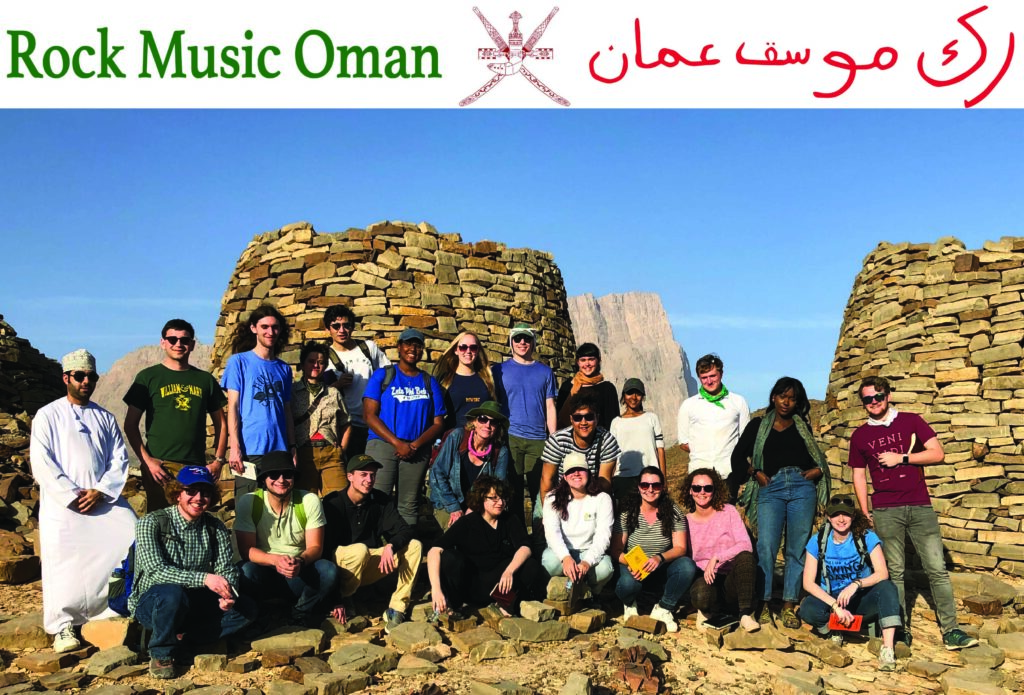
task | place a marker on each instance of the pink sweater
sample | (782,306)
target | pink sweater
(723,536)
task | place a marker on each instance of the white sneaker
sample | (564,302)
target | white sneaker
(629,612)
(65,641)
(665,616)
(748,623)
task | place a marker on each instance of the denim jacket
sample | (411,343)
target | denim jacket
(446,473)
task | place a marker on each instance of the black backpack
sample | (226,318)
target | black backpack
(858,542)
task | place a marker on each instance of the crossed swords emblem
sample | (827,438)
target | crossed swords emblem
(514,52)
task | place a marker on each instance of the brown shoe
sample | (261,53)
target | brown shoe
(161,668)
(790,620)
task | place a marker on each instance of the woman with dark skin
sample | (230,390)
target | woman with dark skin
(405,416)
(779,454)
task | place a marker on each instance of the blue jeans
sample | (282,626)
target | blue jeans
(597,576)
(787,502)
(893,525)
(678,575)
(312,588)
(878,602)
(172,609)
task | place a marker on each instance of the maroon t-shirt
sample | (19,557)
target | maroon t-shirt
(902,485)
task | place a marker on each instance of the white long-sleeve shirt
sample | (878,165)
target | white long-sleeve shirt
(712,431)
(588,528)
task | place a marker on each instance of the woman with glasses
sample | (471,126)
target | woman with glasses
(485,557)
(651,521)
(404,408)
(584,436)
(640,440)
(588,378)
(721,549)
(478,449)
(778,452)
(321,425)
(464,372)
(845,574)
(578,528)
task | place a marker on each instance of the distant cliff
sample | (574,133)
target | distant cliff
(636,340)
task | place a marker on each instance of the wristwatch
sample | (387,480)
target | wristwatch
(906,458)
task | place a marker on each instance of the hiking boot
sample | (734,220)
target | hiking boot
(748,623)
(65,640)
(392,619)
(665,616)
(790,620)
(161,668)
(629,612)
(958,639)
(886,659)
(766,615)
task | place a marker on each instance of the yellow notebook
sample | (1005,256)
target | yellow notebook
(636,559)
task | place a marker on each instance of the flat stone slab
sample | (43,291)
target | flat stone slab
(537,611)
(576,684)
(528,631)
(210,662)
(107,660)
(288,688)
(45,661)
(213,690)
(1012,644)
(590,620)
(312,664)
(465,641)
(645,623)
(64,680)
(840,682)
(765,638)
(126,671)
(825,651)
(368,658)
(797,662)
(337,683)
(113,689)
(983,655)
(495,649)
(499,688)
(926,669)
(967,584)
(408,637)
(983,604)
(24,632)
(290,638)
(961,683)
(796,683)
(410,665)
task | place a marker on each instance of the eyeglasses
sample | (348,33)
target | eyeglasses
(341,326)
(82,376)
(580,417)
(484,419)
(173,340)
(702,488)
(468,348)
(287,475)
(655,487)
(495,498)
(522,339)
(877,398)
(203,493)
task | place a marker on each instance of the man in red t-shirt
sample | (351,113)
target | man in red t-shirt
(895,446)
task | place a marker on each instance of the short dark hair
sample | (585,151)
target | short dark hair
(803,405)
(482,487)
(339,311)
(588,350)
(880,384)
(584,399)
(708,362)
(309,348)
(178,325)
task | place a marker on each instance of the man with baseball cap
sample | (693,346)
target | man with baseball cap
(280,534)
(358,518)
(85,526)
(186,581)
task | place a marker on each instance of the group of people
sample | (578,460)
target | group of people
(528,481)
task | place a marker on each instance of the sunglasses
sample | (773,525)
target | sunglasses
(198,492)
(656,487)
(468,348)
(287,475)
(485,419)
(877,398)
(82,376)
(842,501)
(341,326)
(173,340)
(522,339)
(580,417)
(702,488)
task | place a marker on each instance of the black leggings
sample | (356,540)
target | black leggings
(462,582)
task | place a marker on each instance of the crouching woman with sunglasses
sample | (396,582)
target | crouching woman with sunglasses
(485,556)
(852,577)
(650,520)
(479,449)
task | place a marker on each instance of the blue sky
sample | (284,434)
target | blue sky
(751,225)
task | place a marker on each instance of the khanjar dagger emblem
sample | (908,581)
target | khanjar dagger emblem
(514,54)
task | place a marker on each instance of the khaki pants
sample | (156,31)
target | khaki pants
(360,566)
(156,498)
(320,470)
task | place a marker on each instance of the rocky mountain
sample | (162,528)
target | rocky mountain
(636,340)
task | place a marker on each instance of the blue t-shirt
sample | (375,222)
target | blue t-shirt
(405,407)
(526,388)
(843,561)
(264,387)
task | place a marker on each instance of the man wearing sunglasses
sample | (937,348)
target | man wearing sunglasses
(85,525)
(895,446)
(175,398)
(352,363)
(584,437)
(280,534)
(527,388)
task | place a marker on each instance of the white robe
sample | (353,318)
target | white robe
(79,448)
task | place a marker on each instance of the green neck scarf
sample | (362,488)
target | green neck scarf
(313,388)
(715,400)
(748,498)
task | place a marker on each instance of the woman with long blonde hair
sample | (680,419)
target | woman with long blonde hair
(464,372)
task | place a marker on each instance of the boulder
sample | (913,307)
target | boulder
(983,604)
(528,631)
(24,632)
(576,684)
(113,632)
(311,664)
(19,569)
(537,611)
(210,662)
(590,620)
(242,664)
